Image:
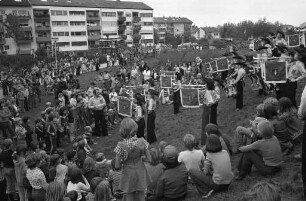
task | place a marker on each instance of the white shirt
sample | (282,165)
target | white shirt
(147,74)
(192,159)
(96,103)
(79,188)
(90,91)
(113,96)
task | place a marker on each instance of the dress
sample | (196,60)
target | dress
(134,175)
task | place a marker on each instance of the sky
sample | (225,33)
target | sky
(217,12)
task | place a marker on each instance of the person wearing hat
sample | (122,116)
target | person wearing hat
(210,104)
(271,157)
(296,73)
(172,184)
(239,75)
(217,173)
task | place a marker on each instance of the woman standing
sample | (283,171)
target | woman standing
(139,115)
(238,75)
(176,97)
(129,153)
(296,73)
(209,113)
(36,178)
(151,106)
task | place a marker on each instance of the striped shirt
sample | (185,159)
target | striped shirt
(114,178)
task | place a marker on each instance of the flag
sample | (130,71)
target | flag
(222,64)
(275,72)
(190,97)
(166,81)
(294,40)
(124,106)
(213,66)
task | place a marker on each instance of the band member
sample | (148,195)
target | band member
(139,115)
(210,102)
(176,97)
(151,107)
(280,38)
(239,75)
(296,73)
(97,104)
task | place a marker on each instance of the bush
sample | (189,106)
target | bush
(16,63)
(219,43)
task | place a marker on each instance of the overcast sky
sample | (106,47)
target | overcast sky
(217,12)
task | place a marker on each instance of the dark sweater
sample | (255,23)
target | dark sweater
(173,183)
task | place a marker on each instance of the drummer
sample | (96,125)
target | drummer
(239,75)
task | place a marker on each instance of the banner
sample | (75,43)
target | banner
(294,40)
(190,97)
(136,89)
(166,82)
(125,106)
(275,72)
(201,96)
(222,64)
(213,66)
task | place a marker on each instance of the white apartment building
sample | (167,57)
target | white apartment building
(80,24)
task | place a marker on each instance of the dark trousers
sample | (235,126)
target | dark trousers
(304,158)
(151,137)
(213,113)
(176,102)
(248,159)
(3,194)
(291,92)
(205,183)
(141,128)
(100,123)
(7,126)
(205,120)
(239,97)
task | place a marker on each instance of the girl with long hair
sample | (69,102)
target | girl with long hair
(55,191)
(139,115)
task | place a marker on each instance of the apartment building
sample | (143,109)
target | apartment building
(173,25)
(23,42)
(78,24)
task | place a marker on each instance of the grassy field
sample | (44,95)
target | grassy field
(172,128)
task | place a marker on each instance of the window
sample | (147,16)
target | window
(147,41)
(146,14)
(78,33)
(79,43)
(77,23)
(2,12)
(63,44)
(108,14)
(58,12)
(60,23)
(128,23)
(76,12)
(148,23)
(6,47)
(20,12)
(60,34)
(146,33)
(128,14)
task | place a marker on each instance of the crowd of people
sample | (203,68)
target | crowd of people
(35,167)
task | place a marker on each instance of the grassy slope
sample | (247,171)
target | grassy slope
(172,129)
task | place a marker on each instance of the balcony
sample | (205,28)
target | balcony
(25,39)
(1,18)
(136,20)
(1,29)
(43,39)
(23,17)
(94,37)
(94,17)
(2,41)
(93,28)
(28,29)
(41,16)
(42,28)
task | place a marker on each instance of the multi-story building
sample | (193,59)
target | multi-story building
(21,41)
(76,24)
(172,25)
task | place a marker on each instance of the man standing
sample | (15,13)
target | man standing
(143,66)
(97,104)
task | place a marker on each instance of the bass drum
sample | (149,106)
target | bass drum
(230,90)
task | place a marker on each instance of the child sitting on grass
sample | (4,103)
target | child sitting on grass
(217,173)
(192,158)
(271,157)
(93,185)
(114,178)
(102,165)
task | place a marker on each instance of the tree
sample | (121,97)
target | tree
(12,28)
(156,36)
